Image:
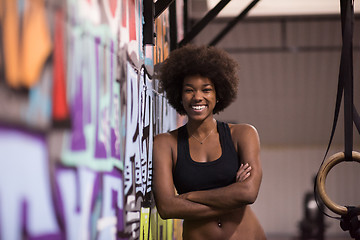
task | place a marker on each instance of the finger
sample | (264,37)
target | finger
(243,171)
(247,169)
(241,168)
(239,176)
(245,165)
(244,177)
(240,171)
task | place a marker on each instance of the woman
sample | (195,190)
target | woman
(214,166)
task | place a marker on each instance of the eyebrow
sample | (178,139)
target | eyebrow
(204,85)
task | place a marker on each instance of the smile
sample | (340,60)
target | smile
(198,108)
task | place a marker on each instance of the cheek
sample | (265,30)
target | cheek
(214,97)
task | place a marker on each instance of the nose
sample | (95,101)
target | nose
(197,95)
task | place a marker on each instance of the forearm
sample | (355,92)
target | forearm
(233,196)
(180,208)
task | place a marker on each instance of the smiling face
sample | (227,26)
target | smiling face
(198,97)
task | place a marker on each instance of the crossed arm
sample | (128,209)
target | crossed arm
(209,203)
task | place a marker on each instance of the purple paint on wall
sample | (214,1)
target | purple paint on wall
(47,237)
(113,145)
(119,212)
(115,108)
(78,193)
(24,225)
(100,151)
(87,93)
(58,202)
(24,216)
(78,142)
(96,189)
(111,76)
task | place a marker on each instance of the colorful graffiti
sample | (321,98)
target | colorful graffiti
(79,109)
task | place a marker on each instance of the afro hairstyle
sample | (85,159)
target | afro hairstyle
(210,62)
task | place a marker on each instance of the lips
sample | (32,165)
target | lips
(198,107)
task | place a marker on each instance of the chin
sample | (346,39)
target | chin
(199,117)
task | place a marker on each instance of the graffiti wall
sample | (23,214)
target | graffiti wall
(79,108)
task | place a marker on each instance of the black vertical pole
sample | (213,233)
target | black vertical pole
(346,73)
(173,26)
(186,16)
(148,27)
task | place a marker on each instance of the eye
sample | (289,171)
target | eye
(207,90)
(188,90)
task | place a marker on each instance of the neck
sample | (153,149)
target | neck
(200,128)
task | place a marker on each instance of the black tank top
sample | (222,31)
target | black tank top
(190,175)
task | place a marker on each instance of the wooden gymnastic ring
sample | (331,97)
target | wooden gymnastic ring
(321,178)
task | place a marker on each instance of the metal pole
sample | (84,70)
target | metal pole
(233,23)
(203,22)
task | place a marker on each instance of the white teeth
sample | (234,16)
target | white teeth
(198,107)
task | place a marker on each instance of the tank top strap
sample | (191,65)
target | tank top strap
(182,142)
(225,136)
(222,131)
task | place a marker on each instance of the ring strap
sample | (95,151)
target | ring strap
(345,86)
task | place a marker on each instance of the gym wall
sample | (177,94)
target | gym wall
(79,107)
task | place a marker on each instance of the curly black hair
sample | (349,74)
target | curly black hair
(209,62)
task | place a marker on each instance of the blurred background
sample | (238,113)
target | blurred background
(80,105)
(289,56)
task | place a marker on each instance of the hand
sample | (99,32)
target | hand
(243,172)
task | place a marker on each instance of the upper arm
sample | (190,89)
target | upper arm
(163,186)
(248,148)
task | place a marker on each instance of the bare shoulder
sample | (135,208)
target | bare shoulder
(244,134)
(245,137)
(165,150)
(243,129)
(165,139)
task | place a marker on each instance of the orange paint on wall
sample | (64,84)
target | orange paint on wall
(11,41)
(162,46)
(36,44)
(25,56)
